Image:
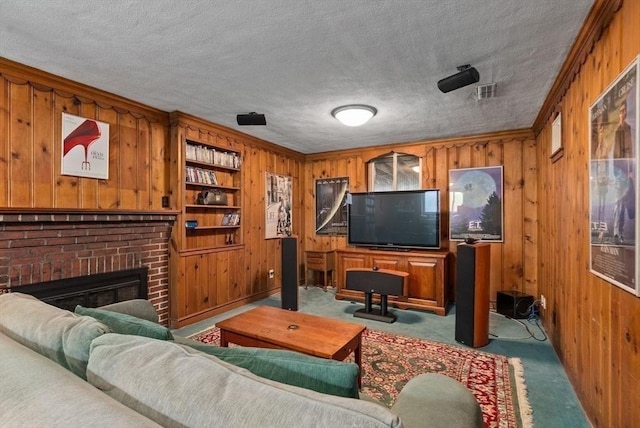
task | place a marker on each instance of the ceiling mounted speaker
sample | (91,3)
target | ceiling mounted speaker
(251,119)
(467,76)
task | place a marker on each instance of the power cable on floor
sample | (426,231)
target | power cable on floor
(533,317)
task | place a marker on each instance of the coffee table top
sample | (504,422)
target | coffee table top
(309,334)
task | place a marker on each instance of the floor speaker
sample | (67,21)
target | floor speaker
(289,291)
(472,294)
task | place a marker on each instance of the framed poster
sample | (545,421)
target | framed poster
(278,193)
(475,204)
(613,191)
(85,147)
(331,207)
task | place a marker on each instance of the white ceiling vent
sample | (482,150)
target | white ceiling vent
(486,91)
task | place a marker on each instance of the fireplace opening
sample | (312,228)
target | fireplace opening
(90,291)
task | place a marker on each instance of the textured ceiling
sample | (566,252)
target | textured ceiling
(296,60)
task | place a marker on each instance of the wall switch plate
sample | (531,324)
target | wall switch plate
(165,202)
(271,273)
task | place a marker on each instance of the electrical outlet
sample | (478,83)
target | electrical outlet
(271,273)
(543,301)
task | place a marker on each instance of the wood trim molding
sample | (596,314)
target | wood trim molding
(598,19)
(23,74)
(33,213)
(412,147)
(183,120)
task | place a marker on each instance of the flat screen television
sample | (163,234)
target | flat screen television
(395,220)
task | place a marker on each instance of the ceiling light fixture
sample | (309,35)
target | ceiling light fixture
(354,114)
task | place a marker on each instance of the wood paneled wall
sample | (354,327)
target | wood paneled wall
(514,261)
(31,107)
(594,325)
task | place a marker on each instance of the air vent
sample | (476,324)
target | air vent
(486,91)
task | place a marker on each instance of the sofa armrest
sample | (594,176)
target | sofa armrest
(437,401)
(138,308)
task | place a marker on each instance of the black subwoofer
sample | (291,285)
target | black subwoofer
(514,304)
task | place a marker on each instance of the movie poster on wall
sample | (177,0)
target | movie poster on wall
(614,135)
(85,147)
(475,204)
(278,194)
(331,207)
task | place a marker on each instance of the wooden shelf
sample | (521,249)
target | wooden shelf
(213,227)
(212,207)
(207,261)
(212,186)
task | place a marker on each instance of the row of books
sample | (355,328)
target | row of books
(213,156)
(231,219)
(199,175)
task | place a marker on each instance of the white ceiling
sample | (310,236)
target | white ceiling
(296,60)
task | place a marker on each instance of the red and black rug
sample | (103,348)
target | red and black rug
(390,360)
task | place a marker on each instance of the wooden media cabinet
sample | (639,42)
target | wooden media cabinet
(427,281)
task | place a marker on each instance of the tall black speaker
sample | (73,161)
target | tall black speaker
(472,294)
(289,290)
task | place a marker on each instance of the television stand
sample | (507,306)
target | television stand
(428,286)
(379,281)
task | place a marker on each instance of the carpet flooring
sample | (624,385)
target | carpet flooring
(551,396)
(389,361)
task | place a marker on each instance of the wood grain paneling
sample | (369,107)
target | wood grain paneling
(508,269)
(594,325)
(31,137)
(212,280)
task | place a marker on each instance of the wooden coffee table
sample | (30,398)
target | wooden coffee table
(268,327)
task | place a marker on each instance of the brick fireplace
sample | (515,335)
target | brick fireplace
(46,245)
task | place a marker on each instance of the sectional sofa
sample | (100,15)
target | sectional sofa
(115,366)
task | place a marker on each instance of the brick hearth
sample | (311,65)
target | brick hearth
(45,245)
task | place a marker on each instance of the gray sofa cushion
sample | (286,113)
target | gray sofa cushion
(178,386)
(37,392)
(443,401)
(138,308)
(59,335)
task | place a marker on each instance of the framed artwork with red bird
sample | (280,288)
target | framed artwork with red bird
(85,147)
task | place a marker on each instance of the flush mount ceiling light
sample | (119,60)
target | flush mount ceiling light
(354,114)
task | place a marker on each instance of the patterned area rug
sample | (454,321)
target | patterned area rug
(390,360)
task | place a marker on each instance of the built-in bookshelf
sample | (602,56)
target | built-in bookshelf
(208,167)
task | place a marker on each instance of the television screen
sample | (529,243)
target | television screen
(403,219)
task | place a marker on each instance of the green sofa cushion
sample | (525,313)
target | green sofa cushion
(59,335)
(293,368)
(126,324)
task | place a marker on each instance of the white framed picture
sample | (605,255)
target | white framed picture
(85,147)
(278,203)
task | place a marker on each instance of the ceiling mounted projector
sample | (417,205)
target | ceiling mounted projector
(251,119)
(467,75)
